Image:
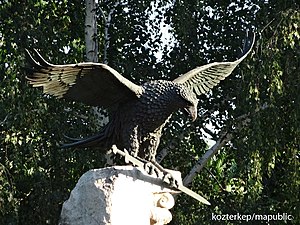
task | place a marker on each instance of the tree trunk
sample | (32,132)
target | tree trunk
(91,37)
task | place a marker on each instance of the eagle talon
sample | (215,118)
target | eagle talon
(169,179)
(151,169)
(148,168)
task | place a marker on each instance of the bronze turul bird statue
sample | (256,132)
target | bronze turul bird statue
(138,113)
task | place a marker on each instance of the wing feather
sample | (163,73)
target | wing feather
(94,84)
(204,78)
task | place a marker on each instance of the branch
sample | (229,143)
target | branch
(216,179)
(202,162)
(209,132)
(242,120)
(1,123)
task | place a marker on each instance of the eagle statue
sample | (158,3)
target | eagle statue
(138,113)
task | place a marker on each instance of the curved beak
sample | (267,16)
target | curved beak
(192,111)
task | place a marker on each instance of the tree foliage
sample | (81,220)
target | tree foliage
(258,169)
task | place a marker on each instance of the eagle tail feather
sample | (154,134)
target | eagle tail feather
(96,140)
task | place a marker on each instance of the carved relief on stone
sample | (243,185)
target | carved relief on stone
(160,213)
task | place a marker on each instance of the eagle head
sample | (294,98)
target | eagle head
(189,100)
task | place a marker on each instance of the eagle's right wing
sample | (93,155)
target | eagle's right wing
(93,84)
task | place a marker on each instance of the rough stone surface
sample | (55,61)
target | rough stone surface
(118,195)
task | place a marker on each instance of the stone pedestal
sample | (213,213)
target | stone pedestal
(118,195)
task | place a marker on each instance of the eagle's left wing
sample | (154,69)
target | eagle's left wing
(204,78)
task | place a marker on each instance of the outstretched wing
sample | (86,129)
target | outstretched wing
(93,84)
(204,78)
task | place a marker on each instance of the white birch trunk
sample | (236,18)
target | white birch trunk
(91,37)
(91,48)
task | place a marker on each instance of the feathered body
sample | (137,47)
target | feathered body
(137,125)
